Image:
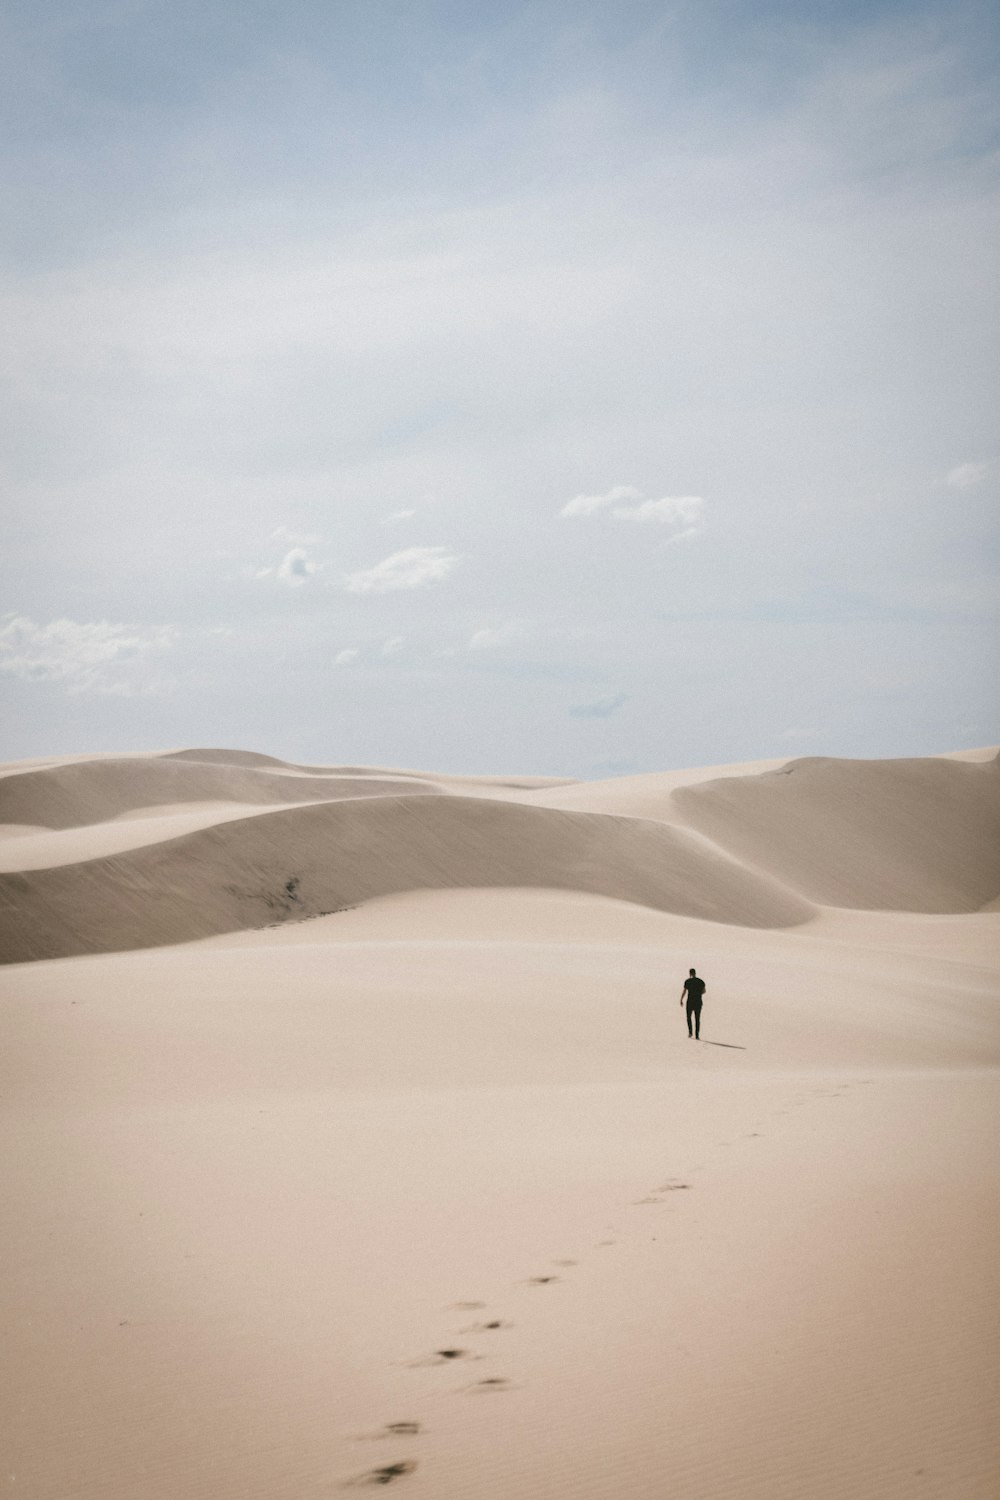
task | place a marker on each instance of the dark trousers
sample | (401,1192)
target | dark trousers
(694,1012)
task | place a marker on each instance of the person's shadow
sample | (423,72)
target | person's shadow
(734,1046)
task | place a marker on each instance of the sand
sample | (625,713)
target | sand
(433,1191)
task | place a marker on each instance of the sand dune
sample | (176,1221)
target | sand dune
(86,792)
(33,848)
(649,795)
(252,758)
(111,853)
(299,862)
(913,835)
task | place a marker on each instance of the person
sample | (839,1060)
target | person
(694,989)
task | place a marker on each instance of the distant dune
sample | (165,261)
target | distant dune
(92,791)
(900,835)
(137,851)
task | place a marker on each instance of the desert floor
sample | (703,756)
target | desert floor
(433,1190)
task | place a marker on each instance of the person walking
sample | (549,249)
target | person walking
(693,991)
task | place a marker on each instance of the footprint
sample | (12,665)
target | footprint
(564,1262)
(492,1386)
(673,1186)
(638,1202)
(467,1306)
(489,1327)
(390,1430)
(540,1280)
(384,1475)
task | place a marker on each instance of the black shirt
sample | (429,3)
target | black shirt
(695,987)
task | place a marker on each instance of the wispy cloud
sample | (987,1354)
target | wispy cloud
(345,657)
(397,515)
(92,656)
(682,514)
(967,476)
(602,709)
(586,505)
(393,644)
(413,568)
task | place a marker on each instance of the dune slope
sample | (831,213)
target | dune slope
(895,835)
(299,862)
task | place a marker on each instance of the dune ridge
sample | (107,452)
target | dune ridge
(133,851)
(87,792)
(304,861)
(225,757)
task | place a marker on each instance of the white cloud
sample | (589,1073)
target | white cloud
(967,476)
(94,656)
(412,568)
(680,512)
(586,505)
(343,658)
(393,644)
(398,515)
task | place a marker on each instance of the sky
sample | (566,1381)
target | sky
(566,388)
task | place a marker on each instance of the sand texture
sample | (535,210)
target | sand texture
(354,1139)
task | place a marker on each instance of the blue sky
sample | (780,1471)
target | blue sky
(564,388)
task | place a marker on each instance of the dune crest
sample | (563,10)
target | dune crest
(70,796)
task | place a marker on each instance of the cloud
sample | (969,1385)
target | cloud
(682,513)
(500,635)
(586,505)
(413,568)
(345,657)
(678,510)
(967,476)
(398,515)
(94,656)
(393,644)
(602,709)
